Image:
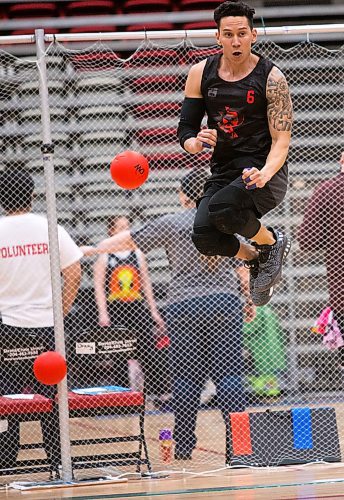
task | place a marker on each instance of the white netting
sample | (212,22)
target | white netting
(101,105)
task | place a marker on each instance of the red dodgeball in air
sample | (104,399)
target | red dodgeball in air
(50,368)
(129,169)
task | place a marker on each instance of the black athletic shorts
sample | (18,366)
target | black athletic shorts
(19,348)
(264,199)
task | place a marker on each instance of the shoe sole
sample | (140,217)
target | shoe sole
(285,255)
(262,301)
(278,276)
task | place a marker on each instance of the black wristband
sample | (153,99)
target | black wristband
(191,116)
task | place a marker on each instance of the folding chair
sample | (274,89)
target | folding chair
(92,398)
(15,411)
(110,403)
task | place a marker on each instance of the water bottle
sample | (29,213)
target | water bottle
(166,445)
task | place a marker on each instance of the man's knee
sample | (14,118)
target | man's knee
(230,219)
(215,243)
(231,211)
(226,219)
(206,243)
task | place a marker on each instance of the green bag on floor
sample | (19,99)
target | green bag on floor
(264,339)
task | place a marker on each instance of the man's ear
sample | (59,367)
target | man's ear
(254,35)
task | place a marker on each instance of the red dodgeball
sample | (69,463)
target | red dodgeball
(129,169)
(50,368)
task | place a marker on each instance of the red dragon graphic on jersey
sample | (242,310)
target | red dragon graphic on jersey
(229,121)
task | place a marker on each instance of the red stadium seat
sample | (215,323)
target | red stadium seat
(100,28)
(148,110)
(158,160)
(154,57)
(151,84)
(151,27)
(133,6)
(167,160)
(94,61)
(156,135)
(198,4)
(3,13)
(90,7)
(32,10)
(195,55)
(199,25)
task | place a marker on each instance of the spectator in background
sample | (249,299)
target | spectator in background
(204,313)
(322,228)
(124,295)
(25,286)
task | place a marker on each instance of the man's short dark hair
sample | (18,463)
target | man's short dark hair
(16,189)
(193,182)
(234,8)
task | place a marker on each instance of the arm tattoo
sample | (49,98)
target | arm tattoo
(279,109)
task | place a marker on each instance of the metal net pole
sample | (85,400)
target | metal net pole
(47,150)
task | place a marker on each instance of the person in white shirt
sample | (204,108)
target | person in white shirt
(26,308)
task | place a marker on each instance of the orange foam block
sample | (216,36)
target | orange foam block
(241,433)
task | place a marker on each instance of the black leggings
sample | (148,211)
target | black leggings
(222,212)
(18,350)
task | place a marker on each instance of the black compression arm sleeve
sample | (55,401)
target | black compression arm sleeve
(191,116)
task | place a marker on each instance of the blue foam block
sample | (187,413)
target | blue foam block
(302,428)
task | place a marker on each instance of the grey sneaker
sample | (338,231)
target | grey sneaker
(259,298)
(271,259)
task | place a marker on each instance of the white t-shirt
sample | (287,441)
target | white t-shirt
(25,282)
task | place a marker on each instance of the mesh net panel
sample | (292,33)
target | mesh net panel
(176,359)
(20,145)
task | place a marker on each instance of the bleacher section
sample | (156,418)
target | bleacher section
(63,16)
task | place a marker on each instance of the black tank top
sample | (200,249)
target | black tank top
(237,110)
(123,280)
